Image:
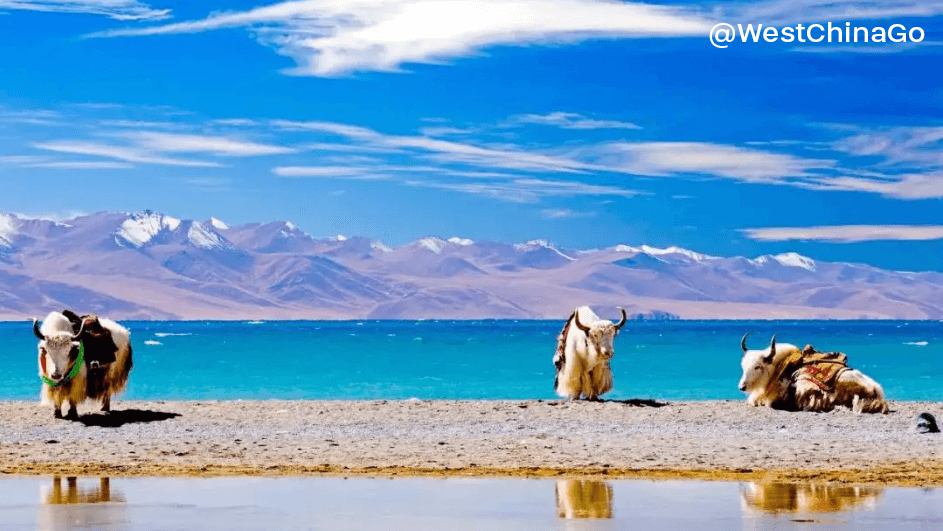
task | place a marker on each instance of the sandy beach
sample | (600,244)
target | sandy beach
(703,440)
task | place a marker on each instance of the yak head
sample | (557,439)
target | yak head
(760,366)
(601,334)
(58,351)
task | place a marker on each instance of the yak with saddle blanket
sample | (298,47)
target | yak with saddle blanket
(784,377)
(824,380)
(107,347)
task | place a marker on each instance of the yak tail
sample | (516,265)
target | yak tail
(869,405)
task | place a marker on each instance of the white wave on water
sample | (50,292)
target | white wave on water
(151,342)
(255,322)
(165,334)
(917,343)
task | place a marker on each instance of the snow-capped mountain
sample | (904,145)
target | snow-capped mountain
(150,265)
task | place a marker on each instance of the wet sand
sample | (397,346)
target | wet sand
(702,440)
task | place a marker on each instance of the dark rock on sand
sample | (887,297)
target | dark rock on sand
(925,423)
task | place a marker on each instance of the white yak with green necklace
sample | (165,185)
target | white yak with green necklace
(61,364)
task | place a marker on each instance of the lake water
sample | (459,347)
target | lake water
(233,504)
(679,360)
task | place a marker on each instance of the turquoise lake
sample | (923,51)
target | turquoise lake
(352,360)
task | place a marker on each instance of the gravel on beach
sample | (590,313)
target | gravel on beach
(539,438)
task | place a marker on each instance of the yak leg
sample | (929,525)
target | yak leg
(57,410)
(601,379)
(106,403)
(73,413)
(586,385)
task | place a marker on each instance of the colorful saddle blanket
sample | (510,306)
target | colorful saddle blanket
(821,368)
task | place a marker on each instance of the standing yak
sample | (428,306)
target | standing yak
(584,350)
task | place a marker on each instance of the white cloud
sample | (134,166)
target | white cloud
(809,11)
(898,146)
(902,186)
(445,131)
(564,213)
(83,165)
(123,153)
(847,233)
(700,158)
(115,9)
(216,145)
(336,37)
(526,190)
(568,120)
(329,172)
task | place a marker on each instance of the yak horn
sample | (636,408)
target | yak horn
(576,320)
(37,332)
(79,333)
(772,346)
(743,342)
(624,319)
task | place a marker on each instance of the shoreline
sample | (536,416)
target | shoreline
(904,475)
(703,440)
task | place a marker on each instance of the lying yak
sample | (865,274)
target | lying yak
(583,355)
(104,347)
(784,377)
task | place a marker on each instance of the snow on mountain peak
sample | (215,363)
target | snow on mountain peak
(141,228)
(788,260)
(433,244)
(380,246)
(8,229)
(464,242)
(218,223)
(541,244)
(290,226)
(340,238)
(201,236)
(697,257)
(626,249)
(795,260)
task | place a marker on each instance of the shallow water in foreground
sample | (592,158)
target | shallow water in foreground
(353,360)
(208,504)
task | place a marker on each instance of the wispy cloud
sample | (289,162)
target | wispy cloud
(564,213)
(330,172)
(526,190)
(786,11)
(215,145)
(334,37)
(122,153)
(445,131)
(897,146)
(115,9)
(847,233)
(700,158)
(82,165)
(567,120)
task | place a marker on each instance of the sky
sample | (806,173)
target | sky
(588,123)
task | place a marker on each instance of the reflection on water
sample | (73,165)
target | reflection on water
(73,494)
(89,504)
(797,498)
(577,498)
(454,504)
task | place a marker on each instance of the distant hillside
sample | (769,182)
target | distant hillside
(152,266)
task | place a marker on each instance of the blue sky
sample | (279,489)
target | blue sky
(585,122)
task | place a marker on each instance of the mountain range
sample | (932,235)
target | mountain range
(147,265)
